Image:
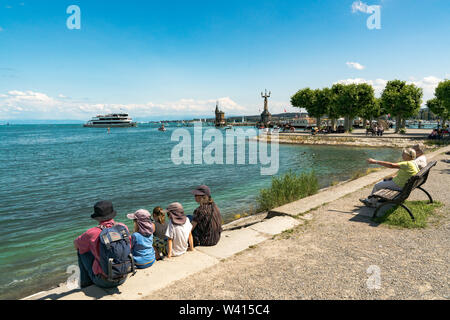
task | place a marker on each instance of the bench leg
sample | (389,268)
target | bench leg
(401,204)
(378,209)
(429,196)
(409,211)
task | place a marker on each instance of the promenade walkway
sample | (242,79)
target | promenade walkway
(361,133)
(316,248)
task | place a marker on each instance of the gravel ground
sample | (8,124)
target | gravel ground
(337,255)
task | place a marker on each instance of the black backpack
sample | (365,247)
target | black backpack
(116,259)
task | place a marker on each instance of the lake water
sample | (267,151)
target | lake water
(51,176)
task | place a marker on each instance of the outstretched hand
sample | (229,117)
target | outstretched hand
(371,161)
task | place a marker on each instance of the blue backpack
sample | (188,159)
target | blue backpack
(116,259)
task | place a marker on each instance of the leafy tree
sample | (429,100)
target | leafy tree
(401,100)
(442,93)
(437,107)
(366,101)
(324,101)
(333,108)
(341,100)
(352,100)
(371,111)
(308,99)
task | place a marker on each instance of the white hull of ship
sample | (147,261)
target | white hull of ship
(115,125)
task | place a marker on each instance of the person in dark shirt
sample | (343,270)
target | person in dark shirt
(207,220)
(160,239)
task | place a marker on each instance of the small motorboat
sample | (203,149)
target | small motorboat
(162,128)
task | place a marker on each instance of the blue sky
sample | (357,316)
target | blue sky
(160,59)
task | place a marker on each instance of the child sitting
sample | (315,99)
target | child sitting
(142,239)
(178,231)
(160,239)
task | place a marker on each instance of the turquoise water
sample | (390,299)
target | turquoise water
(51,176)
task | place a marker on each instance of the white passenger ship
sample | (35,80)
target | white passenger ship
(111,121)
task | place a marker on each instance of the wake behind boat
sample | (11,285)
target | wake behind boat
(116,120)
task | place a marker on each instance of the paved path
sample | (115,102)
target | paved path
(329,256)
(361,133)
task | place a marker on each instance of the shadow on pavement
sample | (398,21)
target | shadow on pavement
(364,214)
(91,292)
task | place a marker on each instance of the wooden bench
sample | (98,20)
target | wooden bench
(388,196)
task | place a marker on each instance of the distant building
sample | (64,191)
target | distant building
(426,114)
(220,117)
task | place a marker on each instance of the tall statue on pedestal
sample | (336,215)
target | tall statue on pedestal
(266,117)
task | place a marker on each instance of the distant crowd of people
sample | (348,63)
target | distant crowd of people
(439,133)
(376,129)
(108,252)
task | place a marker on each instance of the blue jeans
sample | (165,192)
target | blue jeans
(87,276)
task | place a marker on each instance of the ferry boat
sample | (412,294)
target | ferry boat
(121,120)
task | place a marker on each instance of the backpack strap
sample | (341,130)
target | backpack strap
(103,227)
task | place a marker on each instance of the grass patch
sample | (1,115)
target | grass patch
(334,183)
(399,217)
(287,188)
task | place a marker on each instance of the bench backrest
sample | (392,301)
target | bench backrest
(416,181)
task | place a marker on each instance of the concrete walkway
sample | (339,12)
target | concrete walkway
(361,133)
(231,271)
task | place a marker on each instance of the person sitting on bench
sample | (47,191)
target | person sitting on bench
(421,159)
(407,169)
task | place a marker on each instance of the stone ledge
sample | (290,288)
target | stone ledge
(276,225)
(232,242)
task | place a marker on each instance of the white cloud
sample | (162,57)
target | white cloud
(360,6)
(428,84)
(355,65)
(17,104)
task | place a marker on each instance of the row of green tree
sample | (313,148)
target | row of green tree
(399,100)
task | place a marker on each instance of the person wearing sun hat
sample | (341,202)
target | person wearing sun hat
(142,239)
(207,220)
(407,168)
(421,159)
(88,247)
(178,231)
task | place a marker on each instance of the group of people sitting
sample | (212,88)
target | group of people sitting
(376,129)
(108,251)
(438,133)
(414,160)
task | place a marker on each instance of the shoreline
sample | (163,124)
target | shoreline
(238,236)
(245,219)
